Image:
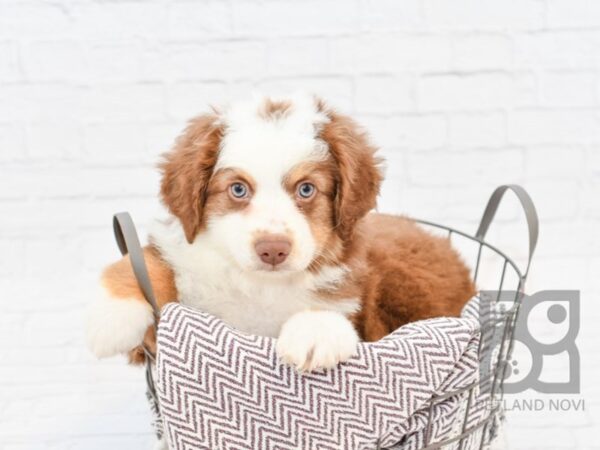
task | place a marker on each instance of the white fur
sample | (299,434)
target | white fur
(272,211)
(116,326)
(312,340)
(267,149)
(161,444)
(270,147)
(253,301)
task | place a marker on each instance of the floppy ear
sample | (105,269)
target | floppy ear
(186,171)
(359,175)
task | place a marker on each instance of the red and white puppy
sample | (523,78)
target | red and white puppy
(270,232)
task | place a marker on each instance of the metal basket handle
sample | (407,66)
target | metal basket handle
(129,243)
(530,215)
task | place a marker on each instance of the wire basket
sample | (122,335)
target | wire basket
(470,426)
(494,354)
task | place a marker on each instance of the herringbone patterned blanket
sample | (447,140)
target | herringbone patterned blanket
(220,389)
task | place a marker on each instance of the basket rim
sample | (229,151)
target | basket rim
(484,243)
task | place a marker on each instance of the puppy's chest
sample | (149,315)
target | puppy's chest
(257,306)
(252,307)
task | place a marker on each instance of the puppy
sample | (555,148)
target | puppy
(270,231)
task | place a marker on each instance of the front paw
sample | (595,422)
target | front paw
(117,325)
(314,340)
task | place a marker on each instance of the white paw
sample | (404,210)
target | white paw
(313,340)
(161,445)
(116,325)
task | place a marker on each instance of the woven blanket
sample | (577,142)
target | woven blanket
(220,389)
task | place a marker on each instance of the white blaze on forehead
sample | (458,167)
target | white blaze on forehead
(268,147)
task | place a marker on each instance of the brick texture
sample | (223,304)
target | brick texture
(461,96)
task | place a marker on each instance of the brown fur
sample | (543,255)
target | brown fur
(219,199)
(319,209)
(120,281)
(399,272)
(411,276)
(273,110)
(359,176)
(187,170)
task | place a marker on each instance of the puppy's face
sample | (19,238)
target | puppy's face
(274,186)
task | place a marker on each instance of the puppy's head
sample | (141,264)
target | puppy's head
(273,185)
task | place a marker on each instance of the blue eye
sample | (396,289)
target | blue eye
(239,190)
(306,190)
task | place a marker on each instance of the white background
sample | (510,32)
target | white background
(461,96)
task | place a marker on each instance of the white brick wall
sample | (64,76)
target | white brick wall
(462,95)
